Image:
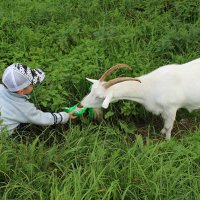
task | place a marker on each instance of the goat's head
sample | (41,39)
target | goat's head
(100,95)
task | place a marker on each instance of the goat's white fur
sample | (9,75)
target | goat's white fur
(161,92)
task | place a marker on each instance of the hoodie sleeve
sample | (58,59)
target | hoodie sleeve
(35,116)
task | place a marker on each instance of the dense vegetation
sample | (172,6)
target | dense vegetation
(71,40)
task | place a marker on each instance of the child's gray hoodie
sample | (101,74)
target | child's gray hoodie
(16,109)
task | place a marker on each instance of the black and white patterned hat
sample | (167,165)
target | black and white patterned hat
(19,76)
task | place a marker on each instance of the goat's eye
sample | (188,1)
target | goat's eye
(99,97)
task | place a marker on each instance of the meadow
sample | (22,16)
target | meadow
(122,157)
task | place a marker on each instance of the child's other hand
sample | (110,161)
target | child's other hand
(71,114)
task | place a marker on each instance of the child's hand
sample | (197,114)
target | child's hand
(71,114)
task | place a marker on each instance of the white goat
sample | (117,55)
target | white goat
(161,92)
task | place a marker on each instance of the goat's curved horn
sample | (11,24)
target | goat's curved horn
(119,80)
(108,72)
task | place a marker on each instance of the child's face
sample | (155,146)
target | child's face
(28,90)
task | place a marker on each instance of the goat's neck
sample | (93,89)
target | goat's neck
(129,90)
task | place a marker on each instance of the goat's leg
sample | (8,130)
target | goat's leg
(168,117)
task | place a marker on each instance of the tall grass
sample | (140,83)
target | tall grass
(100,163)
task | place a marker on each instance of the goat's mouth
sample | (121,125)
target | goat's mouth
(80,105)
(93,113)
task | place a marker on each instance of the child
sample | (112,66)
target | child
(18,82)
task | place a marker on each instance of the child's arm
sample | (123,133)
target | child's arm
(35,116)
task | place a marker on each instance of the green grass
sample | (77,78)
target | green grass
(99,163)
(71,40)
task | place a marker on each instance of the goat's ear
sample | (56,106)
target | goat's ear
(91,80)
(107,100)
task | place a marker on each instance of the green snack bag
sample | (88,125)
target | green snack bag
(70,109)
(91,113)
(80,112)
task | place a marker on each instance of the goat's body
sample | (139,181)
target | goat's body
(164,91)
(174,86)
(171,85)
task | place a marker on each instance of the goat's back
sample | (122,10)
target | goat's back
(177,84)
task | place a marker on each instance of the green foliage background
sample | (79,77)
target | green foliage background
(74,39)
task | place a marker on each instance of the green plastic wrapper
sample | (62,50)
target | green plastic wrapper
(80,113)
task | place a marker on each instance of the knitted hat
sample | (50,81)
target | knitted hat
(18,76)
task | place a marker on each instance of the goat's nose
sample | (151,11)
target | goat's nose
(80,105)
